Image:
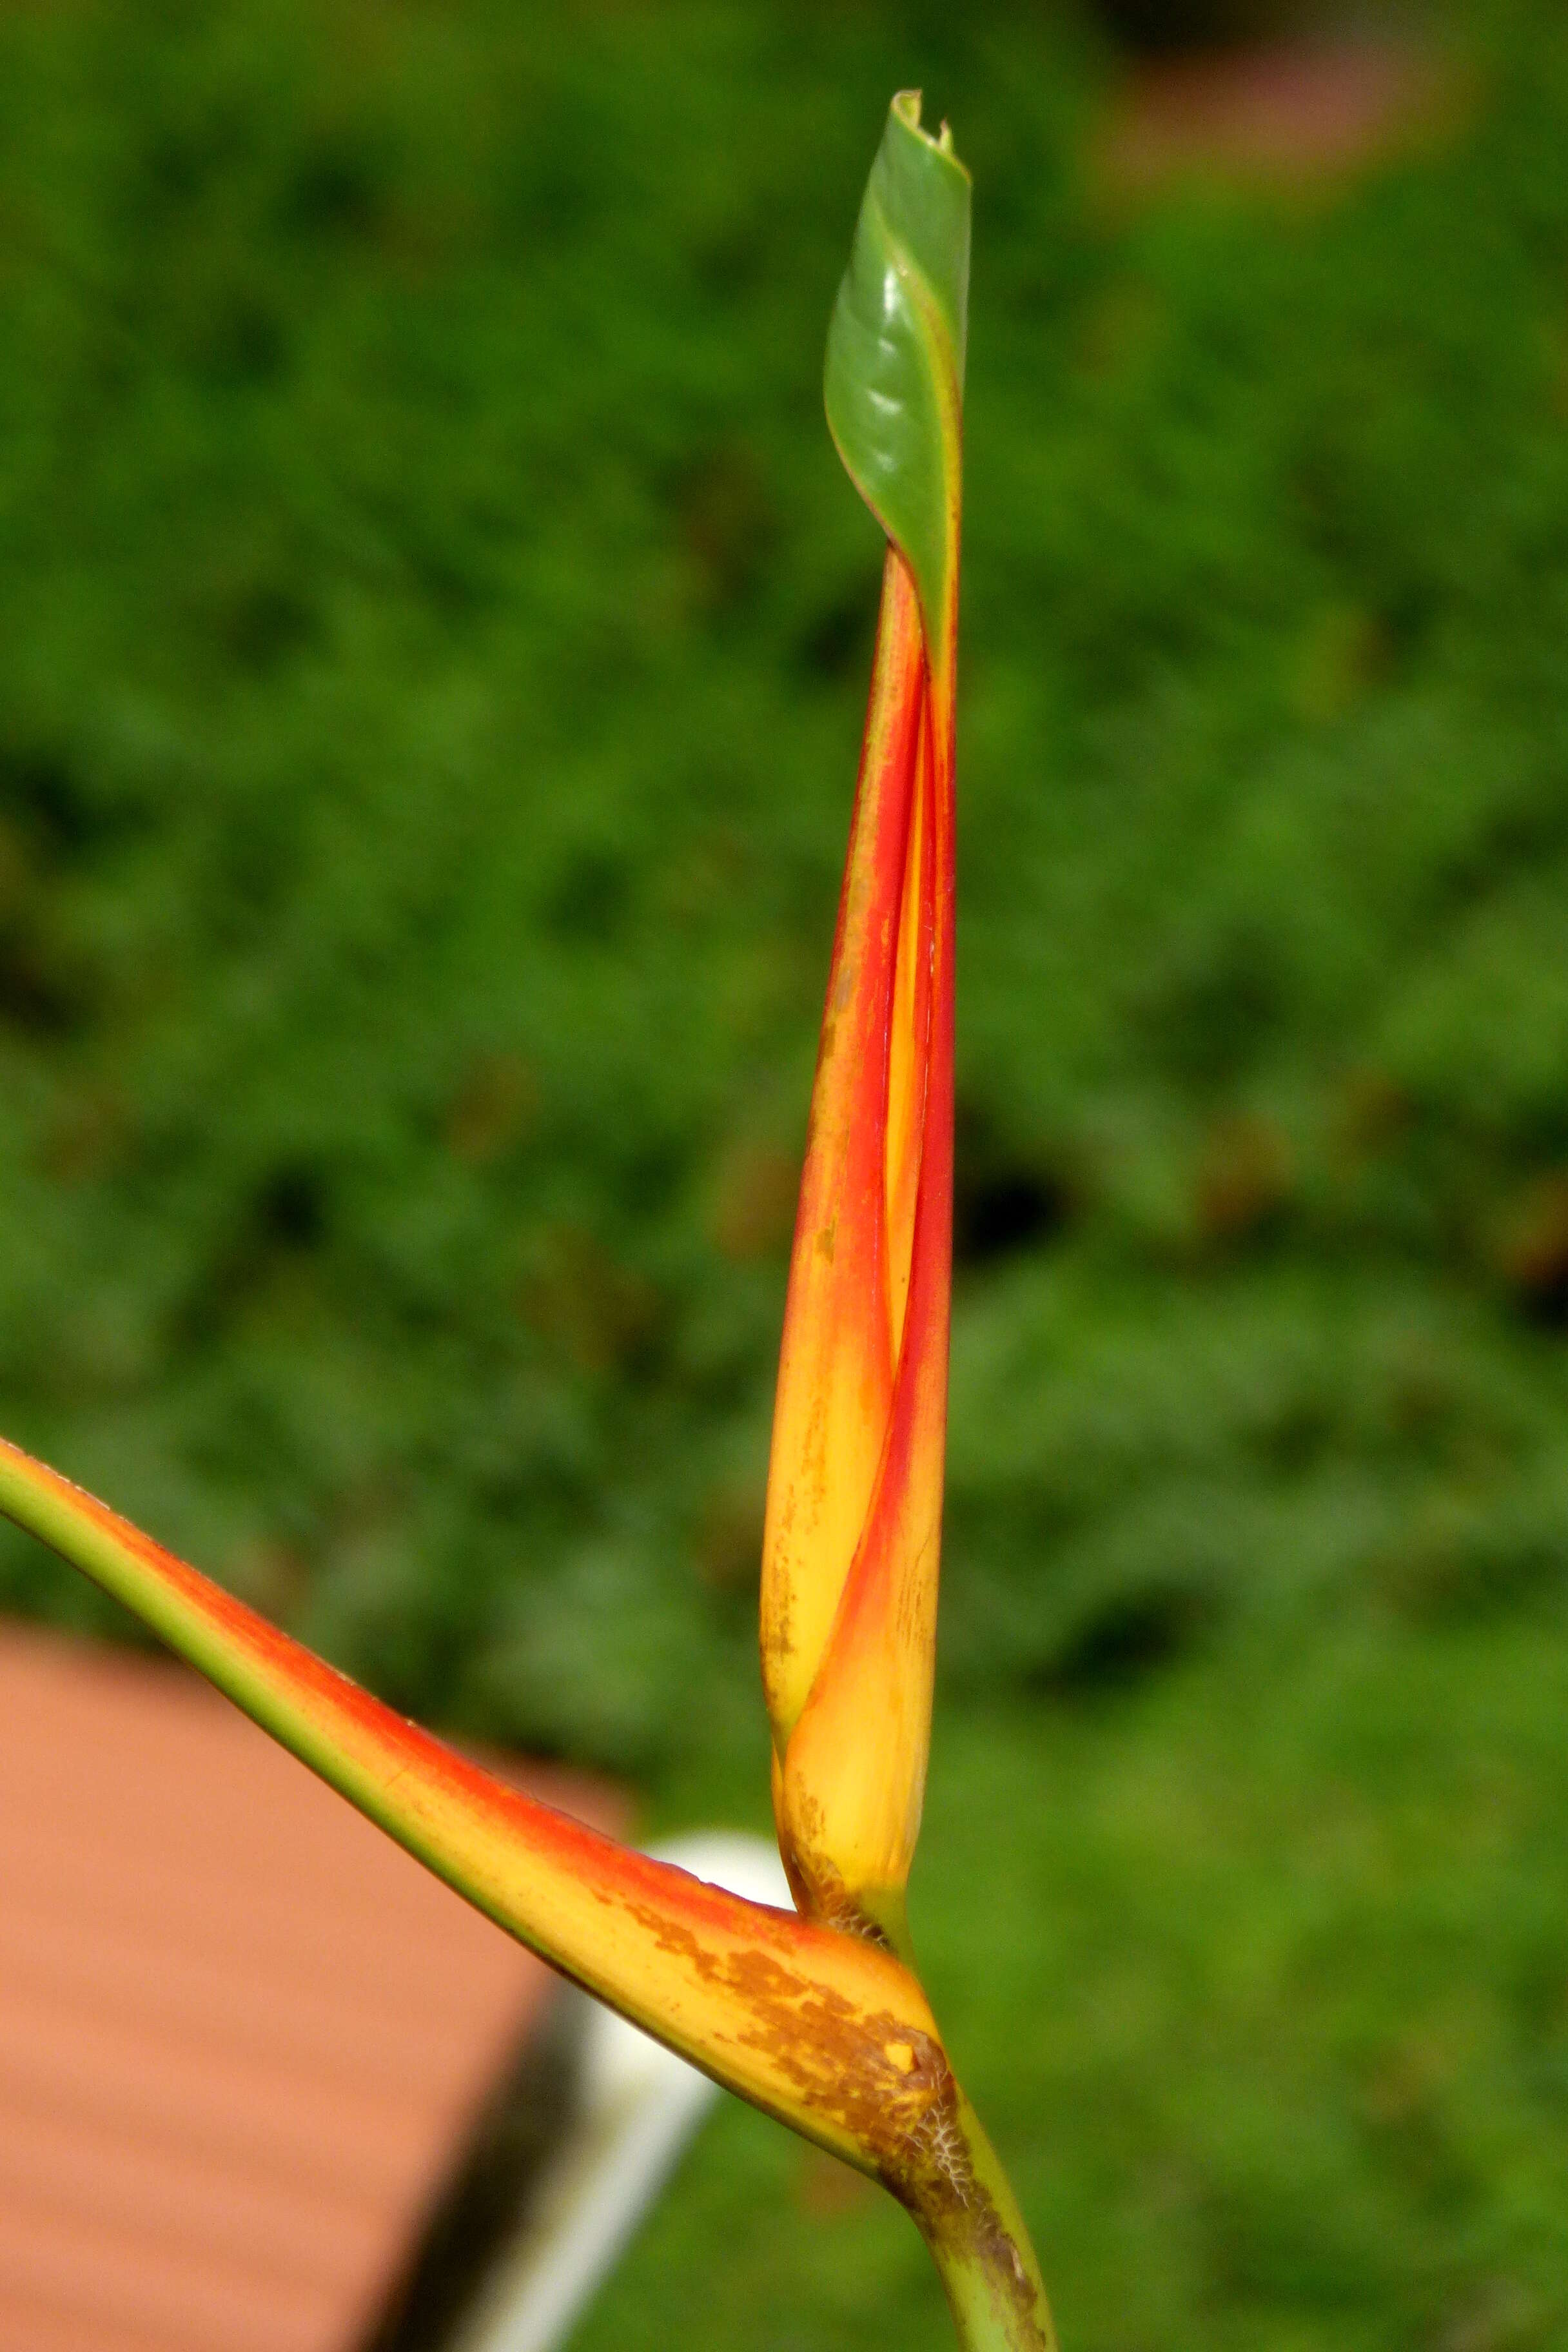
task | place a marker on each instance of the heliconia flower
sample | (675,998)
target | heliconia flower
(853,1532)
(816,2016)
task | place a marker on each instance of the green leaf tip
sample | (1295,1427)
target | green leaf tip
(894,379)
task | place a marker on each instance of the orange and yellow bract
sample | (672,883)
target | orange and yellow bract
(854,1523)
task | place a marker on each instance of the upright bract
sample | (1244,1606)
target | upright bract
(854,1523)
(816,2018)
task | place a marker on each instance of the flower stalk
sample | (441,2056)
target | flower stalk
(816,2016)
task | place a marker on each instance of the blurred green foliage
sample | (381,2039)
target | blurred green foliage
(432,635)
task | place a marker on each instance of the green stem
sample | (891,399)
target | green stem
(969,2216)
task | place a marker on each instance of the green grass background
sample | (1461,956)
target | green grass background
(433,637)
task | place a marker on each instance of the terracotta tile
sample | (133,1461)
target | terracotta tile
(243,2039)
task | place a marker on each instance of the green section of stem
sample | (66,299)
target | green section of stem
(894,378)
(977,2236)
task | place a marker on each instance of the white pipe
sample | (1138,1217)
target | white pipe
(639,2105)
